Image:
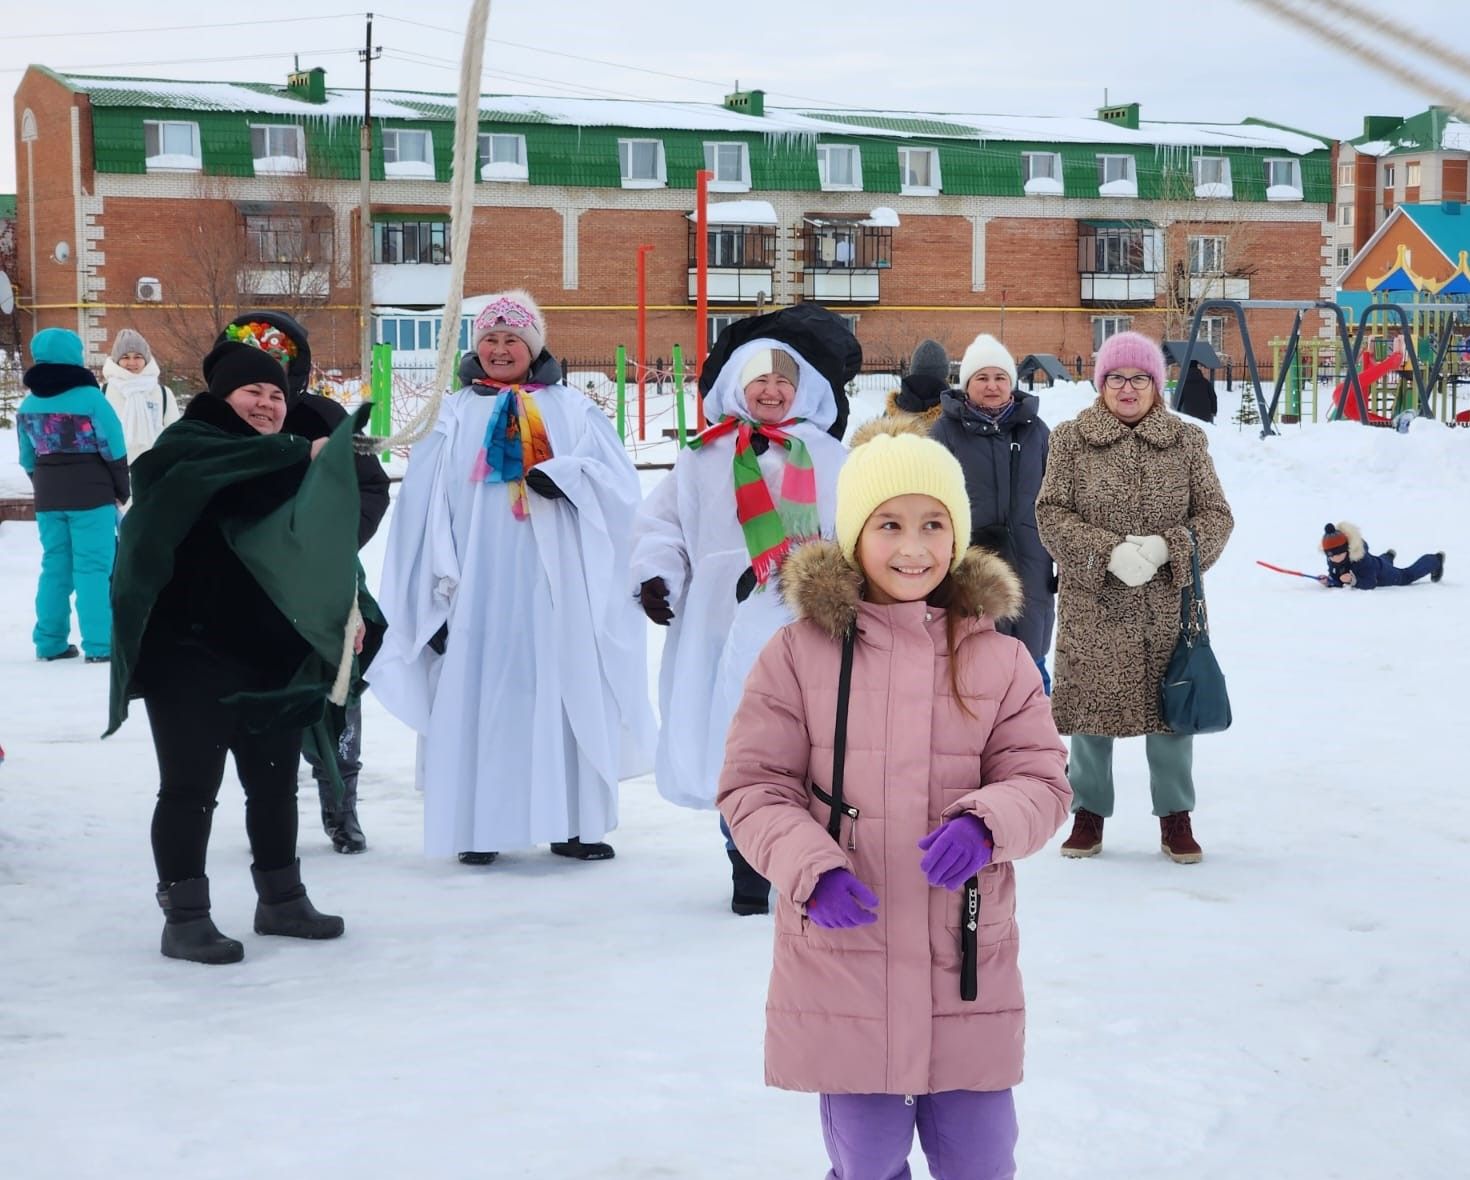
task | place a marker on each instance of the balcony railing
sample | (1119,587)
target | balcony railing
(1119,289)
(1218,287)
(730,284)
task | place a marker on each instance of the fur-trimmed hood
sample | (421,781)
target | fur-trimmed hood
(818,584)
(894,422)
(926,416)
(1356,548)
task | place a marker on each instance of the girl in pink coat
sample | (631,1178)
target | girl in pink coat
(895,992)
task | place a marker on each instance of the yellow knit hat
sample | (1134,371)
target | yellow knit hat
(889,458)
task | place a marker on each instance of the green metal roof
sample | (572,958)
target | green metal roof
(1424,132)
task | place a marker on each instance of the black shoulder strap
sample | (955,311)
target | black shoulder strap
(839,734)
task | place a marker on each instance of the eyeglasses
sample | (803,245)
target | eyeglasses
(1139,381)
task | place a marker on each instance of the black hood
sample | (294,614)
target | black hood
(919,392)
(298,372)
(545,369)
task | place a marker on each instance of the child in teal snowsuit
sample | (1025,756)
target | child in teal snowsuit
(71,445)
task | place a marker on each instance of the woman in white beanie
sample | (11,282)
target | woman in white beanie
(1001,442)
(141,401)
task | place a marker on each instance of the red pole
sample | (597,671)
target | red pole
(643,252)
(701,278)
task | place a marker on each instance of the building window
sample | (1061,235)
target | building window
(419,333)
(743,247)
(278,149)
(839,244)
(1344,255)
(1107,249)
(503,157)
(1411,175)
(411,242)
(1117,176)
(1212,177)
(281,238)
(641,163)
(730,163)
(918,170)
(171,147)
(1390,175)
(717,324)
(1212,331)
(1283,180)
(852,322)
(1206,256)
(1042,173)
(408,154)
(1345,214)
(1104,326)
(839,167)
(1345,174)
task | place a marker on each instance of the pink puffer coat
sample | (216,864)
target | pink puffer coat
(877,1009)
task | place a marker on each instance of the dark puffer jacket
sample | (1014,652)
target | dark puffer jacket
(1001,460)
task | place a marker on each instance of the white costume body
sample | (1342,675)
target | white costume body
(688,534)
(540,702)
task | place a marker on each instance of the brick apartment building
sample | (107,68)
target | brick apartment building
(165,206)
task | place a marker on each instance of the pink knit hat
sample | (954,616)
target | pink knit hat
(1129,350)
(514,312)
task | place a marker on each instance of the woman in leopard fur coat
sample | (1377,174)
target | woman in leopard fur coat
(1126,481)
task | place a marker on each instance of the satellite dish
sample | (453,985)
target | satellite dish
(62,251)
(7,294)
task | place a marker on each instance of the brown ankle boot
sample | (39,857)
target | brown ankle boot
(1086,837)
(1177,840)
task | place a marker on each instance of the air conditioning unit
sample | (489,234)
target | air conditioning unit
(149,291)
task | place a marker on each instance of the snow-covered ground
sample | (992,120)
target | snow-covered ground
(1292,1007)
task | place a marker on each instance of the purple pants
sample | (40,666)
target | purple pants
(965,1134)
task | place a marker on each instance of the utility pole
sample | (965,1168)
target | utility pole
(366,55)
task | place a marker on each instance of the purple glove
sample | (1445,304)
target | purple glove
(955,851)
(841,900)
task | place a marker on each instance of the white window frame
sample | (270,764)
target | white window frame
(1346,175)
(1345,214)
(493,169)
(271,131)
(718,323)
(1344,256)
(1129,177)
(161,155)
(824,156)
(1390,177)
(726,184)
(407,169)
(933,188)
(1292,190)
(660,178)
(1035,185)
(851,320)
(1221,189)
(1413,174)
(1104,326)
(1206,254)
(1212,331)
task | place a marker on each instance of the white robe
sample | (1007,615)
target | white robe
(540,702)
(688,534)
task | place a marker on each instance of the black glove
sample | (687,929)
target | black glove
(543,485)
(653,597)
(439,639)
(745,587)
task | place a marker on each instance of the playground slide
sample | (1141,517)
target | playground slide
(1345,406)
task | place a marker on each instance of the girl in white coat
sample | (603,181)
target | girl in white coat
(131,381)
(708,547)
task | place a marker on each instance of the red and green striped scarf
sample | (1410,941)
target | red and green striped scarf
(769,532)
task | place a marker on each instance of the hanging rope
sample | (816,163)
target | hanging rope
(461,220)
(1372,55)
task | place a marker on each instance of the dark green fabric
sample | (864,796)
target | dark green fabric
(303,555)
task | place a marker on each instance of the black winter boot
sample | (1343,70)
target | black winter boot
(752,893)
(1439,573)
(188,931)
(339,820)
(285,909)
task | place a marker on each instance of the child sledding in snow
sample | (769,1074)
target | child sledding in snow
(1350,564)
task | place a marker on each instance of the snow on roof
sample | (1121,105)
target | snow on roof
(690,116)
(1377,147)
(1456,137)
(741,213)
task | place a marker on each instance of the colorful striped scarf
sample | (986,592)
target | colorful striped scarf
(515,441)
(769,532)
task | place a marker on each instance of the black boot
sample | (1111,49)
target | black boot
(188,931)
(339,820)
(576,850)
(752,891)
(285,909)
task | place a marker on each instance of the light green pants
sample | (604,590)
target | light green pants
(1170,772)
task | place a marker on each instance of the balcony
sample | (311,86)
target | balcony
(1119,289)
(840,286)
(303,281)
(843,258)
(741,263)
(1218,287)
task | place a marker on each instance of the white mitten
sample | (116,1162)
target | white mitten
(1154,548)
(1130,566)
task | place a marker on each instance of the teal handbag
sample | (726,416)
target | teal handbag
(1192,697)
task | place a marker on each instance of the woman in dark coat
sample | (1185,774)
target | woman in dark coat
(235,620)
(1002,445)
(1197,396)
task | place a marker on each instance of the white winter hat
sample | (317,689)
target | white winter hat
(986,352)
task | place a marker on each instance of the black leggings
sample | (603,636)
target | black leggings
(192,732)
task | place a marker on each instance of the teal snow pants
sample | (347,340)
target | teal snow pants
(77,552)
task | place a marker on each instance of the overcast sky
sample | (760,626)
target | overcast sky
(1221,62)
